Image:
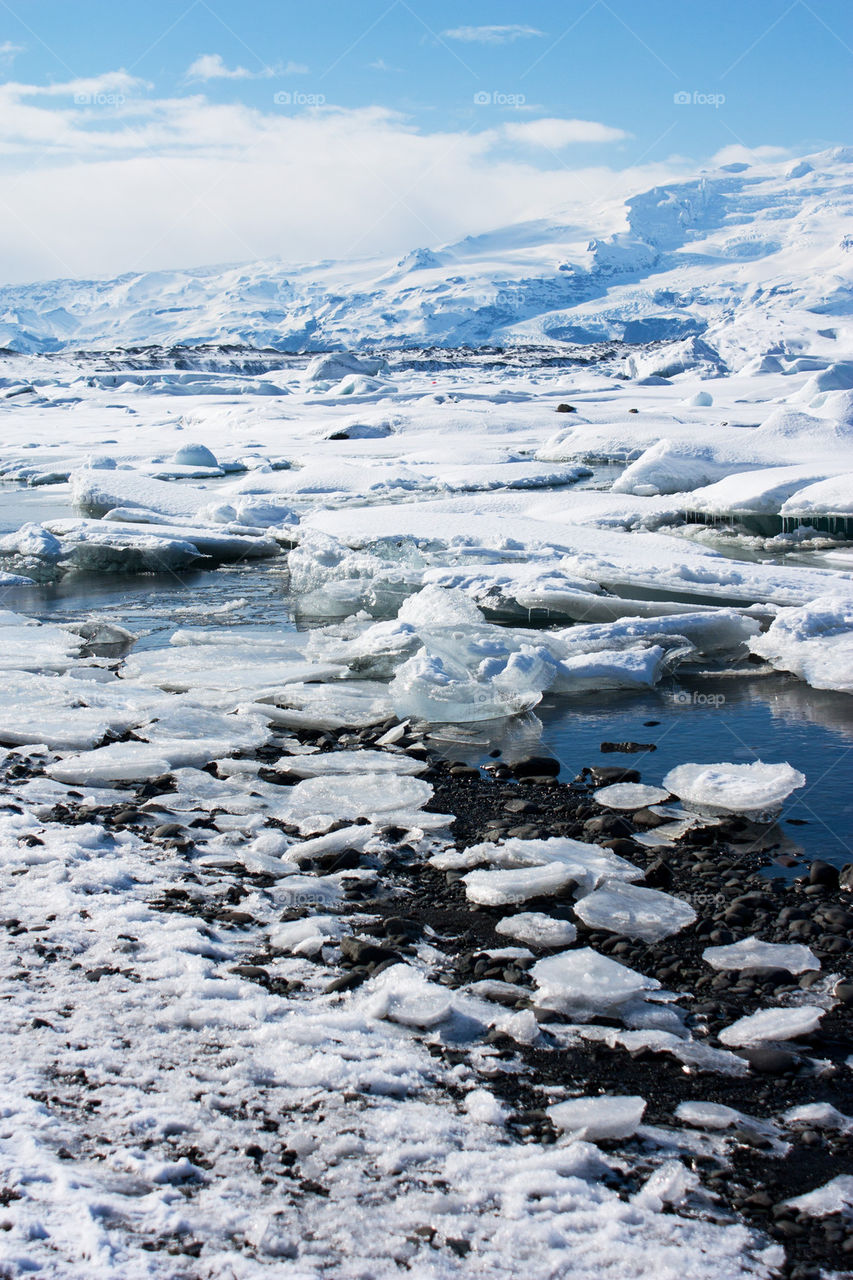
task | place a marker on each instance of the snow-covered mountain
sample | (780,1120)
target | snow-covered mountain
(748,260)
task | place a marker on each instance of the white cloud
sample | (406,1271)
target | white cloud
(555,133)
(735,153)
(156,182)
(491,35)
(211,66)
(9,51)
(110,82)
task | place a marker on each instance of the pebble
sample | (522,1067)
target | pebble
(770,1062)
(536,767)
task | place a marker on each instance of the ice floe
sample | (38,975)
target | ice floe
(629,795)
(599,1119)
(772,1024)
(814,642)
(756,790)
(583,982)
(752,953)
(634,911)
(535,929)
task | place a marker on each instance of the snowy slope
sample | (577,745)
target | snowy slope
(754,260)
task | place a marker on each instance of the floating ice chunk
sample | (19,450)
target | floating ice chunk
(360,796)
(535,929)
(638,668)
(772,1024)
(814,642)
(629,795)
(100,547)
(708,1115)
(429,687)
(635,912)
(436,606)
(599,1119)
(350,762)
(756,790)
(752,953)
(116,530)
(497,888)
(819,1115)
(30,542)
(585,982)
(305,937)
(835,1196)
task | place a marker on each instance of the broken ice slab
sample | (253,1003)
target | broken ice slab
(755,791)
(97,547)
(814,642)
(752,953)
(629,795)
(583,982)
(819,1115)
(536,929)
(243,672)
(499,888)
(402,994)
(305,937)
(772,1024)
(96,491)
(603,1118)
(366,795)
(635,912)
(438,690)
(355,704)
(835,1196)
(708,1115)
(639,668)
(64,712)
(589,864)
(135,761)
(224,546)
(350,762)
(38,647)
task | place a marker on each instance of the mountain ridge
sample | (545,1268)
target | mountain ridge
(753,259)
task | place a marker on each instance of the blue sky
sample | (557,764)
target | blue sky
(169,133)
